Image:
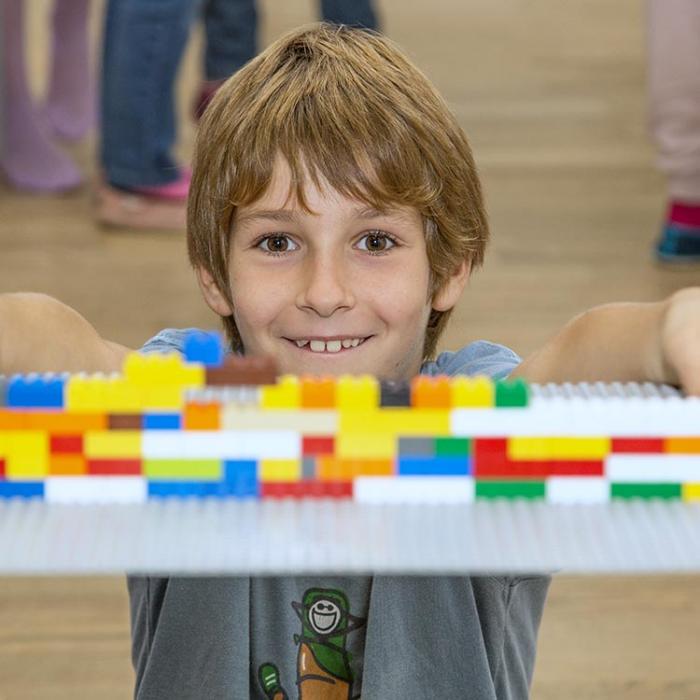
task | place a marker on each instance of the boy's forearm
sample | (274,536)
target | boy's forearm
(40,334)
(615,342)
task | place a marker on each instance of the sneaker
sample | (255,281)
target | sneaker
(679,244)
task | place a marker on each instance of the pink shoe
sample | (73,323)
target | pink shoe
(206,93)
(119,208)
(173,190)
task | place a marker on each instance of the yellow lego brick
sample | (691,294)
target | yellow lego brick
(163,398)
(162,369)
(472,392)
(279,470)
(83,393)
(358,393)
(111,444)
(562,448)
(691,492)
(406,422)
(374,446)
(308,421)
(285,394)
(26,454)
(122,397)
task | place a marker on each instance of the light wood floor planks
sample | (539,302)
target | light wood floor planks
(552,96)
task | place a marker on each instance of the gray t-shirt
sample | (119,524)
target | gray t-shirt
(409,637)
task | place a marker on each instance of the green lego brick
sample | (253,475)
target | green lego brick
(171,469)
(510,489)
(512,393)
(452,447)
(646,490)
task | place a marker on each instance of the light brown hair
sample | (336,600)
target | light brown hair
(345,106)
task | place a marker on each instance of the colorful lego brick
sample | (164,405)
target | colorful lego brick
(416,447)
(558,448)
(317,445)
(285,394)
(114,467)
(637,445)
(498,488)
(66,444)
(125,421)
(2,468)
(112,444)
(452,447)
(431,392)
(418,489)
(646,490)
(375,445)
(682,445)
(691,492)
(308,468)
(27,455)
(241,479)
(512,393)
(162,421)
(396,422)
(318,392)
(279,470)
(99,393)
(682,468)
(201,416)
(59,423)
(313,421)
(36,391)
(162,369)
(472,392)
(95,489)
(21,489)
(571,490)
(3,391)
(306,489)
(67,464)
(163,398)
(396,394)
(239,371)
(183,469)
(206,348)
(357,393)
(12,419)
(434,466)
(186,489)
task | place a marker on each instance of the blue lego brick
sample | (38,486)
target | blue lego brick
(434,466)
(207,348)
(162,421)
(186,489)
(36,391)
(3,390)
(241,478)
(21,489)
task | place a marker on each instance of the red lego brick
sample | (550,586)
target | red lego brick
(312,445)
(638,444)
(122,467)
(66,444)
(2,468)
(281,489)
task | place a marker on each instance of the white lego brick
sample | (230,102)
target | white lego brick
(414,489)
(221,444)
(656,468)
(307,421)
(575,489)
(95,489)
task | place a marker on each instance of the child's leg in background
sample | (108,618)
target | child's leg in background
(356,13)
(70,103)
(231,28)
(29,160)
(674,80)
(144,41)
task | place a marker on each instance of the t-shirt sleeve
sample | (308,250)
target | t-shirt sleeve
(168,340)
(481,357)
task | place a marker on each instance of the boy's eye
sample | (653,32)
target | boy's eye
(376,242)
(277,244)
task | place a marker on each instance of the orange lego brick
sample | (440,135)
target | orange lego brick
(65,423)
(67,465)
(682,445)
(430,392)
(330,468)
(318,392)
(12,420)
(201,416)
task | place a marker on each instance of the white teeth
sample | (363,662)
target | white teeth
(346,342)
(317,346)
(330,345)
(355,342)
(333,346)
(301,343)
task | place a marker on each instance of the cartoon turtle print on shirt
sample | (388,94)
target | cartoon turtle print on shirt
(323,662)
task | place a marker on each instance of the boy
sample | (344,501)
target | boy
(335,215)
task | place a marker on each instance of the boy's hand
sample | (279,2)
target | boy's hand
(679,349)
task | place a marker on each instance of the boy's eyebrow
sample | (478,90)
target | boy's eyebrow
(291,215)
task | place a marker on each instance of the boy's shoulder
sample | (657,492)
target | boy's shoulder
(480,357)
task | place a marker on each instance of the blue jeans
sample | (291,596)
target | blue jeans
(144,41)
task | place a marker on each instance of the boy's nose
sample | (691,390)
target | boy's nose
(325,286)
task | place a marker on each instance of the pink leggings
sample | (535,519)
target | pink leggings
(674,86)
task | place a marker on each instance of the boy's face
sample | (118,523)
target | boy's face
(341,290)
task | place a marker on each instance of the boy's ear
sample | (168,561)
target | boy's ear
(448,295)
(212,295)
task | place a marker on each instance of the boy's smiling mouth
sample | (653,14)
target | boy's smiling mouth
(328,346)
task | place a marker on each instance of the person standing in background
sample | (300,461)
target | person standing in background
(674,81)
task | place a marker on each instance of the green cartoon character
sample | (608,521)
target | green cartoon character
(323,662)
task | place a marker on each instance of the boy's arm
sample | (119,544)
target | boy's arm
(40,334)
(658,342)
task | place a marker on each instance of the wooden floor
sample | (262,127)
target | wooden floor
(552,96)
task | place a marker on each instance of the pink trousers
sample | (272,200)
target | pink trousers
(674,88)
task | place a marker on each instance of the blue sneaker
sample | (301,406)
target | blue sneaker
(679,244)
